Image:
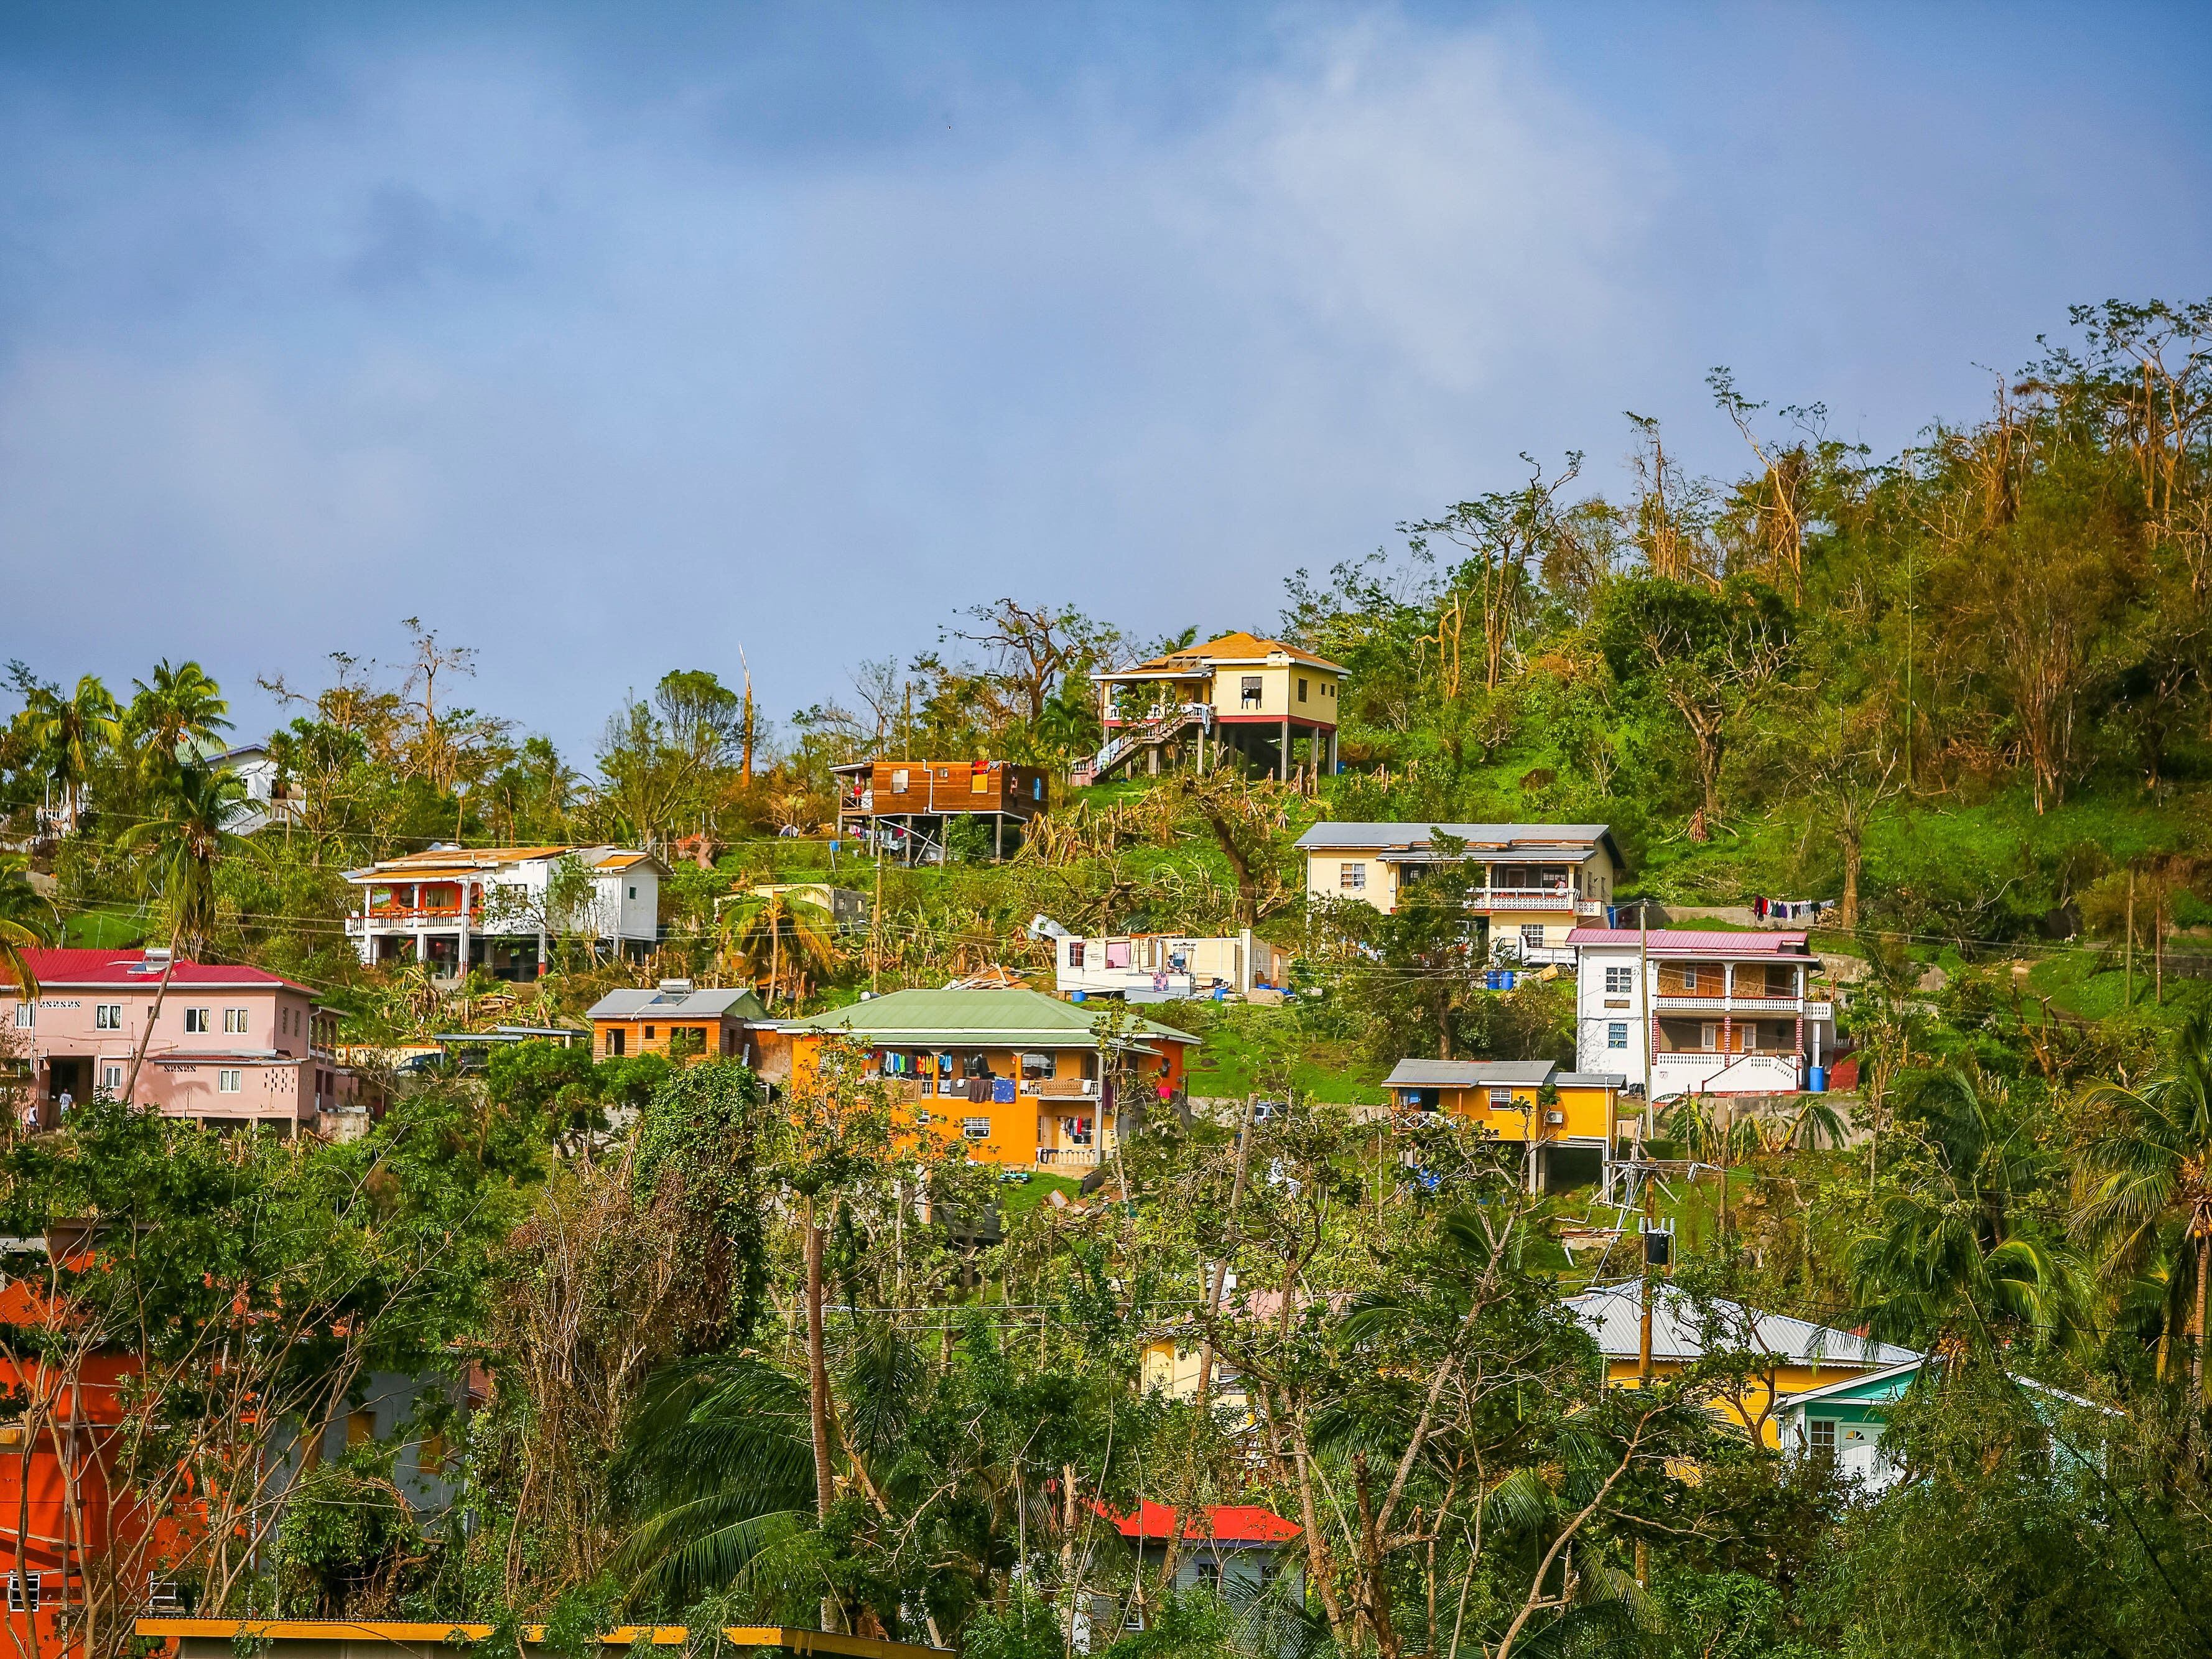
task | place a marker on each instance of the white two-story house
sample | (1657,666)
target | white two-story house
(1539,880)
(1708,1013)
(501,908)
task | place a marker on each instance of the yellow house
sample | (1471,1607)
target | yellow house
(1539,880)
(1238,698)
(1787,1356)
(1571,1119)
(1015,1076)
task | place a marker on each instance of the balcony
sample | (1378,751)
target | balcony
(1067,1157)
(423,916)
(1727,1005)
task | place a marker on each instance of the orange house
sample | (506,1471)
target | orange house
(679,1019)
(1022,1079)
(57,1509)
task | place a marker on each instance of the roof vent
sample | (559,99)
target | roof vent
(675,987)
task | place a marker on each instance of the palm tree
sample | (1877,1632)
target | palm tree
(181,705)
(2147,1167)
(720,1466)
(184,844)
(72,733)
(761,924)
(26,921)
(1950,1252)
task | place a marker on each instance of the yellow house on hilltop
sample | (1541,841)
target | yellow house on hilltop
(1238,698)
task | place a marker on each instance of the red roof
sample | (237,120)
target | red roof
(1672,938)
(1226,1523)
(121,968)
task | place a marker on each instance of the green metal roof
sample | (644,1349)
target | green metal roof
(1009,1017)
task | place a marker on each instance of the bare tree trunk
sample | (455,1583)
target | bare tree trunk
(160,995)
(817,1390)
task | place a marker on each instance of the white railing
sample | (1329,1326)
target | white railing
(1160,727)
(1527,898)
(1067,1157)
(1680,1004)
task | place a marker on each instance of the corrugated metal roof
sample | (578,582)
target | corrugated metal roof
(1479,837)
(1613,1314)
(1469,1074)
(1230,647)
(976,1015)
(708,1002)
(1677,939)
(75,967)
(1223,1523)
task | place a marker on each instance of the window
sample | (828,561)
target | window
(1501,1097)
(1207,1574)
(1616,1034)
(1618,982)
(1352,875)
(898,780)
(976,1128)
(1532,936)
(111,1076)
(1821,1431)
(1117,953)
(108,1017)
(1075,953)
(1035,1066)
(648,1034)
(1037,789)
(23,1016)
(23,1593)
(430,1455)
(1709,1036)
(234,1022)
(228,1082)
(1248,696)
(633,892)
(360,1426)
(615,1041)
(1301,689)
(195,1019)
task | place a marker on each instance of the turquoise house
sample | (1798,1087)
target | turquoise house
(1845,1421)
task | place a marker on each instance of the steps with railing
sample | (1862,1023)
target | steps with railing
(1159,729)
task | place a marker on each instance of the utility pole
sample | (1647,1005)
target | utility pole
(1644,1343)
(876,913)
(1643,1012)
(2158,945)
(2131,1002)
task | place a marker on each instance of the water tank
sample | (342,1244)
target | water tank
(1816,1080)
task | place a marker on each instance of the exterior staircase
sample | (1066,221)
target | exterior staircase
(1126,745)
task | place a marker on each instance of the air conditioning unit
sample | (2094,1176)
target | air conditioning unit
(1555,1117)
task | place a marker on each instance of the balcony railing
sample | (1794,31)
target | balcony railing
(400,915)
(1067,1157)
(1677,1003)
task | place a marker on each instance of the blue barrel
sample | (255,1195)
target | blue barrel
(1077,996)
(1816,1080)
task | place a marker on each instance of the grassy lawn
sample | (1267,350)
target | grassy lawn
(101,930)
(1232,1061)
(1020,1197)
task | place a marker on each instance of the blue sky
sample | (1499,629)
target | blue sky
(616,339)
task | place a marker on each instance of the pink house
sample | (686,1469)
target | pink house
(233,1045)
